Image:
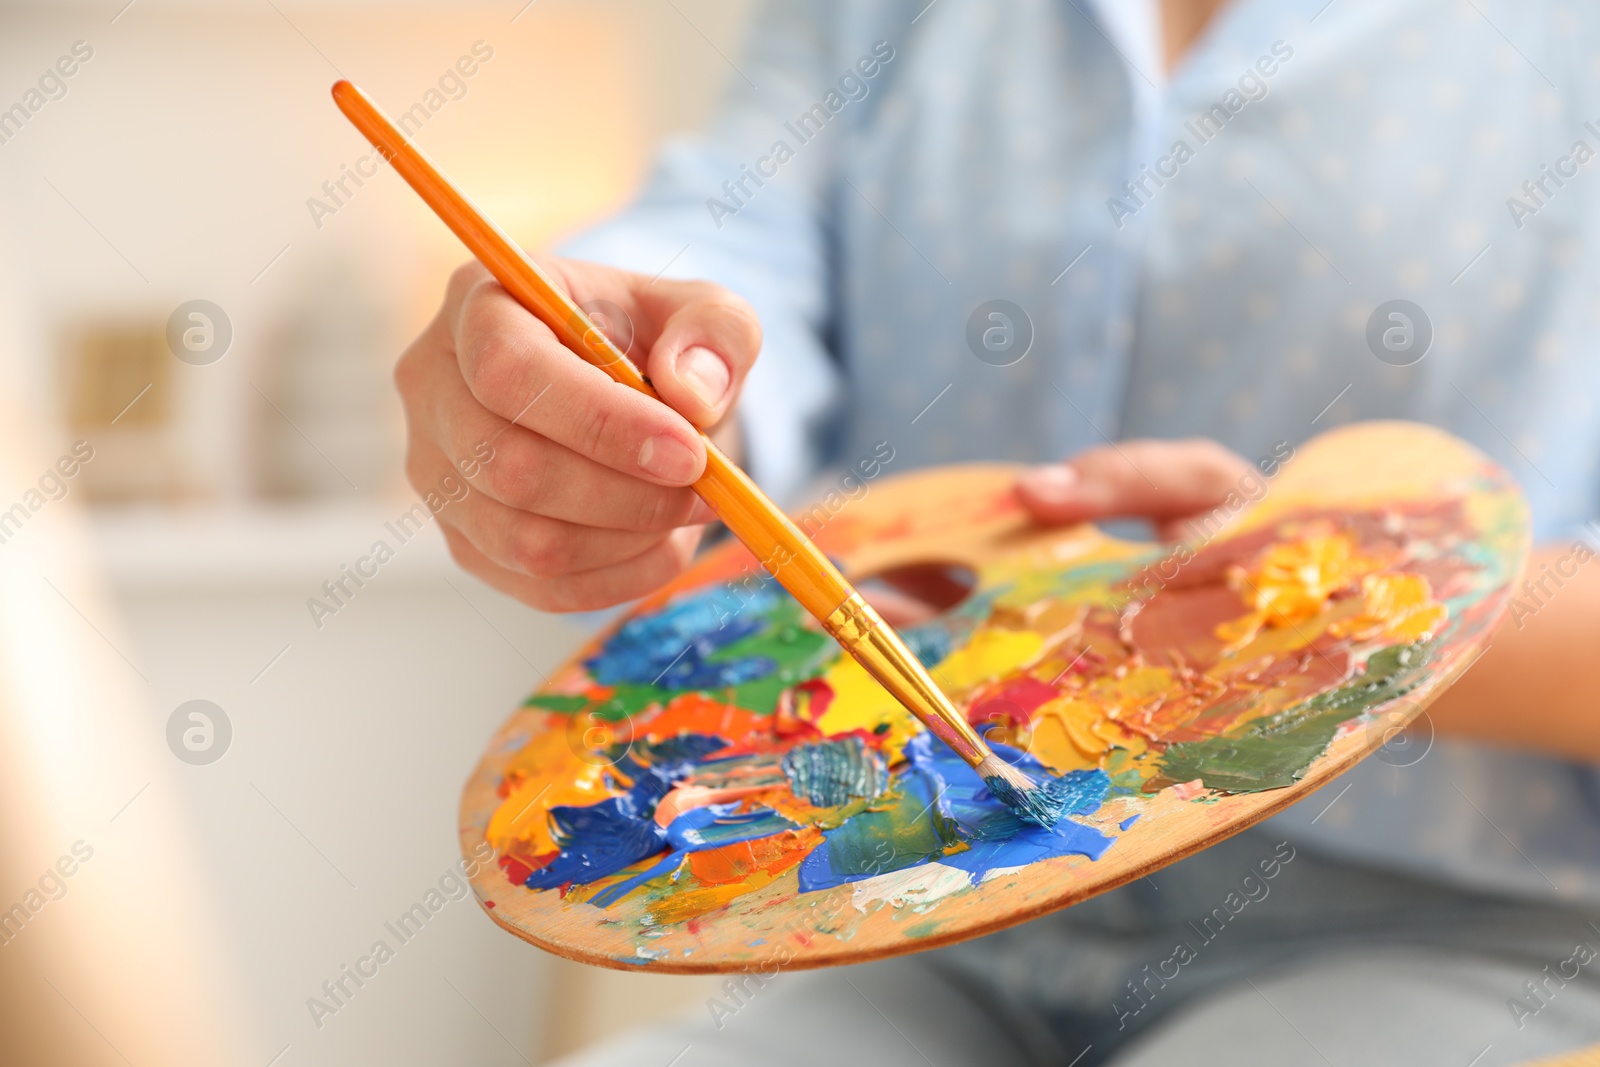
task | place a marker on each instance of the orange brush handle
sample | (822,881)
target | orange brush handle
(778,544)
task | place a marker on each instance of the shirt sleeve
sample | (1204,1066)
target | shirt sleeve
(743,205)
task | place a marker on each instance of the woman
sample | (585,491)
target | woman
(1197,218)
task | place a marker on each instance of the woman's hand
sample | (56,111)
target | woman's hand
(581,495)
(1167,483)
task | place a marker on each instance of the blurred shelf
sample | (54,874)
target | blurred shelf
(151,548)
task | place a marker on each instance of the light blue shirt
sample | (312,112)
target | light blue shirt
(1335,156)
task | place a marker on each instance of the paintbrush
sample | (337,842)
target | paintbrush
(781,548)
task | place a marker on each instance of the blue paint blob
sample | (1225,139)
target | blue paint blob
(1129,821)
(930,642)
(598,840)
(601,839)
(671,648)
(955,801)
(654,767)
(712,826)
(830,773)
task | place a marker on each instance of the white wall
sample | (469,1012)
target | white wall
(178,166)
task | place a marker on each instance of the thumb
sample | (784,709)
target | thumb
(708,341)
(1162,481)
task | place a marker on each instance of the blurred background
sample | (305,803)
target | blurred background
(185,159)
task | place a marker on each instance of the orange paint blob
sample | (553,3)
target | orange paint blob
(738,862)
(696,713)
(1292,583)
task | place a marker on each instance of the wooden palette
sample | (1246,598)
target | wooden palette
(1208,686)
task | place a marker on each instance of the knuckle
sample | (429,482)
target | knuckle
(495,366)
(542,553)
(592,429)
(516,478)
(656,509)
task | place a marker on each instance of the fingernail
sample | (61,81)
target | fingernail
(667,458)
(1053,484)
(706,375)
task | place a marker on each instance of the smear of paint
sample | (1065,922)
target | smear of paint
(1273,752)
(708,827)
(830,773)
(672,647)
(563,702)
(696,713)
(601,839)
(916,886)
(938,808)
(735,863)
(1013,704)
(1129,821)
(547,773)
(1395,606)
(989,655)
(930,643)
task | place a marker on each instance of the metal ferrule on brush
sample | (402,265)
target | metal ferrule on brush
(862,633)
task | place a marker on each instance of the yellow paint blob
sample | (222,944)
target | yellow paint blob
(546,773)
(1400,606)
(690,903)
(991,654)
(1071,733)
(860,703)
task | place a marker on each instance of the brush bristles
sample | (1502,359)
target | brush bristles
(1027,799)
(992,766)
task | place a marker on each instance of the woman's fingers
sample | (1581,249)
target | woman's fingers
(534,545)
(518,467)
(585,590)
(515,367)
(1165,482)
(579,493)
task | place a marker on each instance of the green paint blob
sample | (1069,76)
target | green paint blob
(565,703)
(903,831)
(830,773)
(760,696)
(1274,752)
(630,700)
(785,640)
